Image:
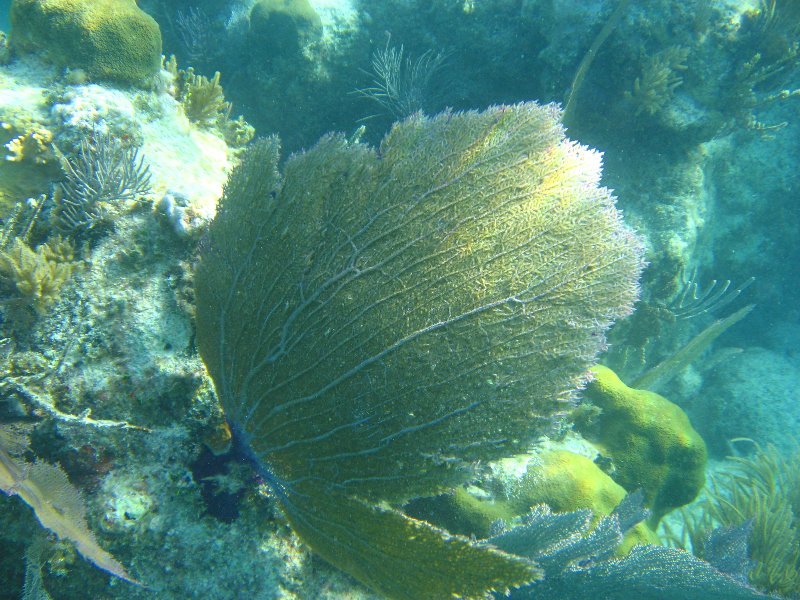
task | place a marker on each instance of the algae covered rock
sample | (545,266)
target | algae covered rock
(651,442)
(110,39)
(567,482)
(561,479)
(377,322)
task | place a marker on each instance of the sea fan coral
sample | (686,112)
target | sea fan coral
(377,321)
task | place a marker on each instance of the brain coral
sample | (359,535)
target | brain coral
(281,27)
(110,39)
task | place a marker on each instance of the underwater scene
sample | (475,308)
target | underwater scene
(399,299)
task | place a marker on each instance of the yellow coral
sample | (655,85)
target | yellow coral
(109,39)
(660,76)
(203,100)
(32,146)
(651,442)
(38,274)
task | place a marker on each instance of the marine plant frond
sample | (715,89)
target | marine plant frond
(576,553)
(103,174)
(588,58)
(400,83)
(57,504)
(764,489)
(693,300)
(669,368)
(375,321)
(194,30)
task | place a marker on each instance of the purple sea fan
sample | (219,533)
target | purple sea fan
(366,313)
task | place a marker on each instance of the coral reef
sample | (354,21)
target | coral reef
(110,39)
(150,125)
(467,510)
(238,132)
(108,380)
(650,441)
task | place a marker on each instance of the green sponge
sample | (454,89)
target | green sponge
(651,442)
(567,482)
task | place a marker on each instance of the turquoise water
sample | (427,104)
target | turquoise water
(278,362)
(4,22)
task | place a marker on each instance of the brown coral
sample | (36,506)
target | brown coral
(32,146)
(203,99)
(655,88)
(39,274)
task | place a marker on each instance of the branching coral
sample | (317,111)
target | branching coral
(655,88)
(104,172)
(202,98)
(32,146)
(39,274)
(238,132)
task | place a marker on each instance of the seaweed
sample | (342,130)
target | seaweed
(669,368)
(764,489)
(576,553)
(400,83)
